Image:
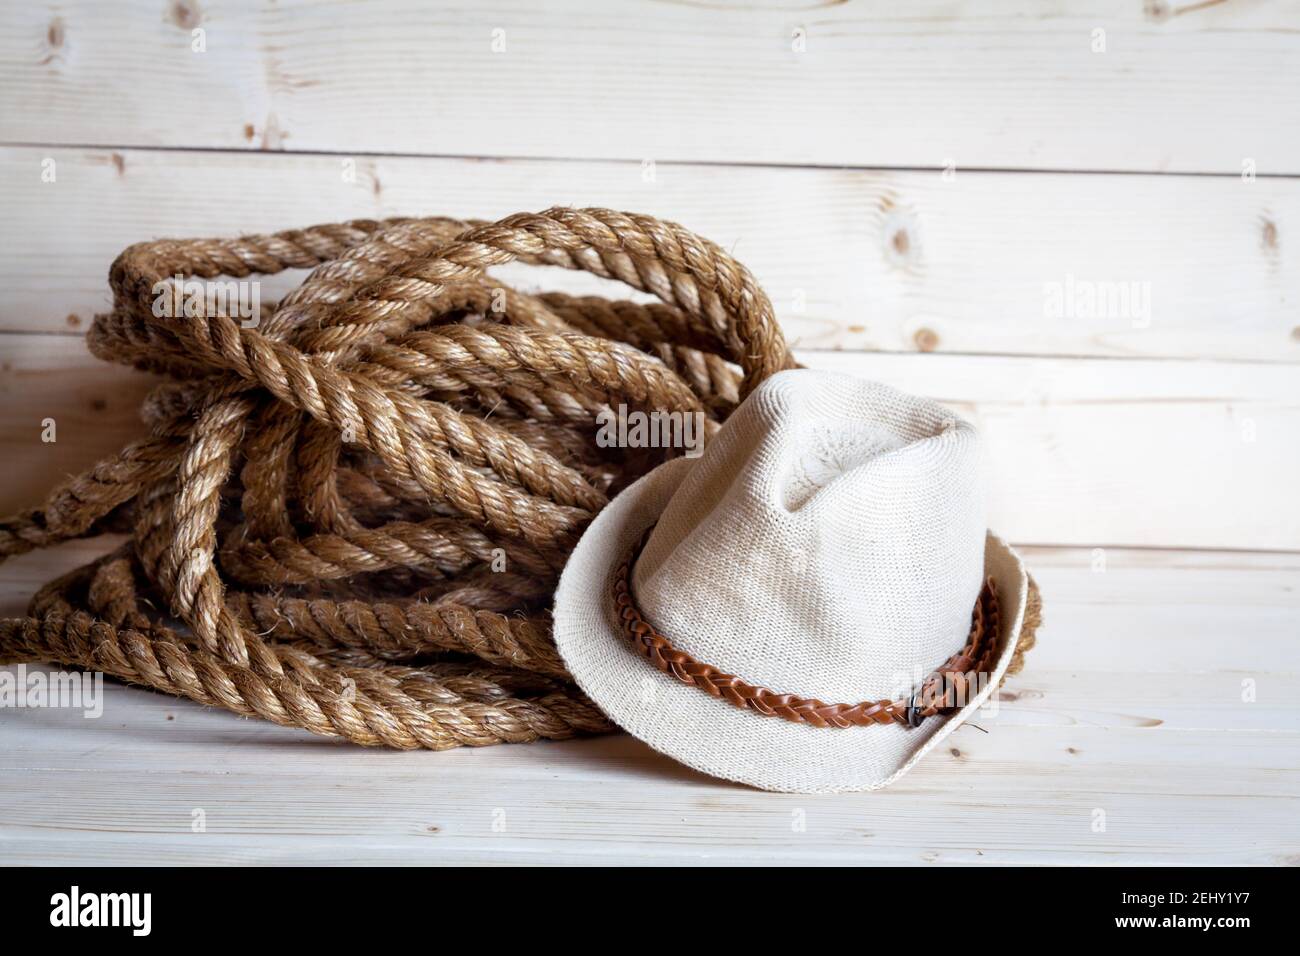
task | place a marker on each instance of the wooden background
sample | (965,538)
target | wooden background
(910,183)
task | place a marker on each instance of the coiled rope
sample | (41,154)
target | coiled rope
(350,517)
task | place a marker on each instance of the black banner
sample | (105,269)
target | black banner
(879,905)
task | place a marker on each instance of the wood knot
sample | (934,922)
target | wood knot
(54,40)
(927,340)
(901,243)
(185,14)
(1156,11)
(1268,235)
(902,238)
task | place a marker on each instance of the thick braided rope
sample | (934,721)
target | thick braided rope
(318,514)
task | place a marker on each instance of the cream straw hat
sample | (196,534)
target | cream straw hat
(777,611)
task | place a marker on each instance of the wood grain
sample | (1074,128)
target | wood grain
(1181,86)
(1093,451)
(1121,711)
(888,261)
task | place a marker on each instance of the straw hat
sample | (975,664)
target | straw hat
(809,606)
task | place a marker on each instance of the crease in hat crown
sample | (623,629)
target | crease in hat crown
(828,544)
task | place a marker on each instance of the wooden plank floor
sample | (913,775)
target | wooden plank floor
(938,196)
(1126,739)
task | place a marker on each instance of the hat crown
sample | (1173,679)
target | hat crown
(829,542)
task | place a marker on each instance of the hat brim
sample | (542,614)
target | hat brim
(712,735)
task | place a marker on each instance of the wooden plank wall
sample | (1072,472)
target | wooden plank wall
(956,257)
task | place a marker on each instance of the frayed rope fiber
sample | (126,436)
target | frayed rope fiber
(350,514)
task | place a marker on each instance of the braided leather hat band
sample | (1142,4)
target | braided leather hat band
(948,687)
